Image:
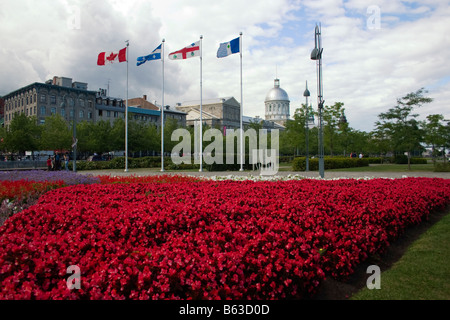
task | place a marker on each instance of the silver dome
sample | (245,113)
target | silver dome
(276,93)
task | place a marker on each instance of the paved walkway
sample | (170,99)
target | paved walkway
(280,174)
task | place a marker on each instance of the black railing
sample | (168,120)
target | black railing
(24,164)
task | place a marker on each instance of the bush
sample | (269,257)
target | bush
(299,164)
(375,160)
(419,161)
(400,159)
(403,159)
(442,167)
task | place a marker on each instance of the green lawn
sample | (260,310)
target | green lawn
(423,272)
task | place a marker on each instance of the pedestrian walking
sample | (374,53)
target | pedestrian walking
(49,163)
(66,161)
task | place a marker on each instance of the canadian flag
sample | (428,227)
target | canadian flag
(111,57)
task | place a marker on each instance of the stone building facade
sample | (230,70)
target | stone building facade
(217,113)
(72,100)
(54,96)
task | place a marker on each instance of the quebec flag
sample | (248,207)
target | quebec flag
(155,55)
(228,48)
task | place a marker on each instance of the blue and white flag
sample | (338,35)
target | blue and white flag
(155,55)
(228,48)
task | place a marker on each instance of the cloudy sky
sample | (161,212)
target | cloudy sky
(375,51)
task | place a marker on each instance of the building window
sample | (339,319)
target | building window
(42,121)
(53,99)
(90,103)
(81,114)
(53,110)
(89,115)
(63,112)
(116,114)
(34,112)
(43,98)
(108,114)
(81,102)
(43,111)
(100,113)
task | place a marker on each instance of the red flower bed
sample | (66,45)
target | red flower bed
(24,188)
(206,240)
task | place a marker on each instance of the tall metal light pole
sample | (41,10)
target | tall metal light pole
(316,54)
(74,129)
(306,94)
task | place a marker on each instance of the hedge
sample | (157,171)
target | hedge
(299,164)
(403,159)
(442,167)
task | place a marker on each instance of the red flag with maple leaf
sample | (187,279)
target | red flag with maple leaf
(111,57)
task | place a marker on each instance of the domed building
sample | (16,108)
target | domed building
(277,104)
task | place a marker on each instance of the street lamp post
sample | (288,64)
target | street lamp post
(74,129)
(306,94)
(316,54)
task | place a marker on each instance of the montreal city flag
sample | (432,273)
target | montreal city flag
(228,48)
(190,51)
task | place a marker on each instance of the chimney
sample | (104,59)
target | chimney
(145,97)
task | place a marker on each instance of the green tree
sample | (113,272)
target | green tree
(170,125)
(56,134)
(102,136)
(434,133)
(399,124)
(86,137)
(332,121)
(136,136)
(118,135)
(152,138)
(23,135)
(293,139)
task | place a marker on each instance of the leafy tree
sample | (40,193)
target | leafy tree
(293,139)
(56,134)
(23,135)
(434,133)
(332,122)
(399,124)
(136,136)
(118,135)
(170,125)
(446,135)
(151,138)
(102,136)
(86,137)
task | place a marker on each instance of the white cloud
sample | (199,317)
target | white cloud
(366,69)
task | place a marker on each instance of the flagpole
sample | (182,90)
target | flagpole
(201,107)
(162,108)
(242,108)
(126,115)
